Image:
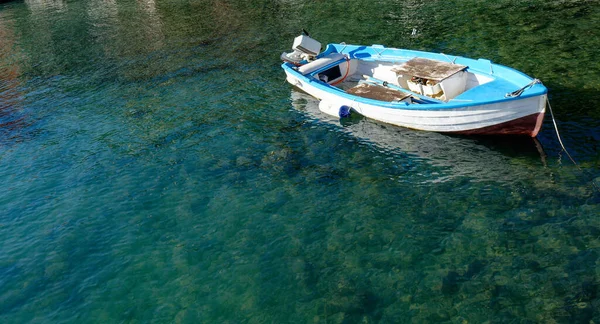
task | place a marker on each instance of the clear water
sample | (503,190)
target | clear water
(155,167)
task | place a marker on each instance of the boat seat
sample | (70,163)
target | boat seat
(496,88)
(322,63)
(377,92)
(428,69)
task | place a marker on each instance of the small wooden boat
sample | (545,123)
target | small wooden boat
(418,90)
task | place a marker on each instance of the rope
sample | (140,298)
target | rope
(449,60)
(561,142)
(520,91)
(383,50)
(558,134)
(343,48)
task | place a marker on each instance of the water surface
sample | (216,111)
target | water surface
(155,167)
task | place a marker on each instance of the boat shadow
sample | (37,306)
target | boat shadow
(480,158)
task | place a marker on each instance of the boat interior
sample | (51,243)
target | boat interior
(416,80)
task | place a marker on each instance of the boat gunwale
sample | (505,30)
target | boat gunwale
(535,91)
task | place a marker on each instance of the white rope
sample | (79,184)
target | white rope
(517,93)
(357,104)
(558,134)
(343,48)
(563,146)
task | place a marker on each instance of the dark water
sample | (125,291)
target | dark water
(155,167)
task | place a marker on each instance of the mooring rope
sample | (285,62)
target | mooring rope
(563,146)
(520,91)
(558,134)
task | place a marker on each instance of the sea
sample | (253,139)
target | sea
(155,167)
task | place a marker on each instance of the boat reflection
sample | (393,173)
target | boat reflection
(152,24)
(12,118)
(499,159)
(38,7)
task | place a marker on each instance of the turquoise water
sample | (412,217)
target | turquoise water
(155,167)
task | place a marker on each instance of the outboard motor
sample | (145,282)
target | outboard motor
(305,49)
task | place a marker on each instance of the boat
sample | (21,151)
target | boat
(415,89)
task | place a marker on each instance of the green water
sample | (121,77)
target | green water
(155,167)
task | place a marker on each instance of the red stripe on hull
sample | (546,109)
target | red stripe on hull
(528,125)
